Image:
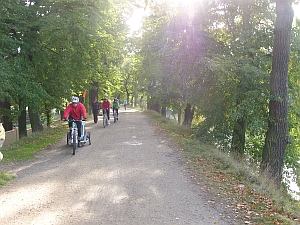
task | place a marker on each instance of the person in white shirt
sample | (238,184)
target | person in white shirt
(2,138)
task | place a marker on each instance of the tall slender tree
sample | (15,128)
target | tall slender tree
(277,135)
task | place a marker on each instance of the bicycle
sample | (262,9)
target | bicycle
(115,116)
(72,135)
(105,119)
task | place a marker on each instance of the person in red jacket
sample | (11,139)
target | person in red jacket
(106,105)
(76,110)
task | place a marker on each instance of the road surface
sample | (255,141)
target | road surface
(129,175)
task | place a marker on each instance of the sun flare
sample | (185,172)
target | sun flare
(187,2)
(135,22)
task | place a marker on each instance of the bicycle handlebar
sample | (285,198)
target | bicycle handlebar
(72,120)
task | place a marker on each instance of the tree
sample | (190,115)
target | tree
(53,50)
(171,50)
(277,135)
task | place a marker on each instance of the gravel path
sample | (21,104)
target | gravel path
(129,175)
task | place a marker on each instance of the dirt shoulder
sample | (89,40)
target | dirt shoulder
(129,175)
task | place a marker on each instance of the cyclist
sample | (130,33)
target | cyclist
(76,110)
(106,105)
(125,104)
(116,106)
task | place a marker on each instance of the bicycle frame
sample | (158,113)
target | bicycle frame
(72,137)
(115,115)
(105,119)
(74,130)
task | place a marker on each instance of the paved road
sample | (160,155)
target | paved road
(129,175)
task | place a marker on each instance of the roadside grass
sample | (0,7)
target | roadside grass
(4,178)
(245,196)
(25,148)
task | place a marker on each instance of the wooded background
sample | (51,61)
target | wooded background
(228,69)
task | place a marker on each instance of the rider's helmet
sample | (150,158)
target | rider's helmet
(75,99)
(115,99)
(105,98)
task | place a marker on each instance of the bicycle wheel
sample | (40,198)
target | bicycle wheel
(74,142)
(115,117)
(89,137)
(104,121)
(68,138)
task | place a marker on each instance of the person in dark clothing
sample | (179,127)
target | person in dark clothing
(96,108)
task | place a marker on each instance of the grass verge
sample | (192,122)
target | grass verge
(25,148)
(4,178)
(245,196)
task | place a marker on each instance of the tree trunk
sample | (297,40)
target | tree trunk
(277,134)
(8,125)
(238,137)
(157,107)
(153,105)
(127,96)
(93,94)
(49,117)
(131,101)
(141,102)
(179,114)
(35,121)
(22,121)
(188,115)
(163,111)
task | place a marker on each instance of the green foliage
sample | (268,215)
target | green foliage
(55,49)
(238,83)
(292,155)
(4,178)
(222,69)
(25,148)
(218,59)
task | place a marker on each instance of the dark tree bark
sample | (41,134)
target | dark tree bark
(152,104)
(49,117)
(277,134)
(163,111)
(238,137)
(131,102)
(188,115)
(156,107)
(22,121)
(179,115)
(8,125)
(35,120)
(93,94)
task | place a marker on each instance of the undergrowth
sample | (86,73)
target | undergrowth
(4,178)
(245,195)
